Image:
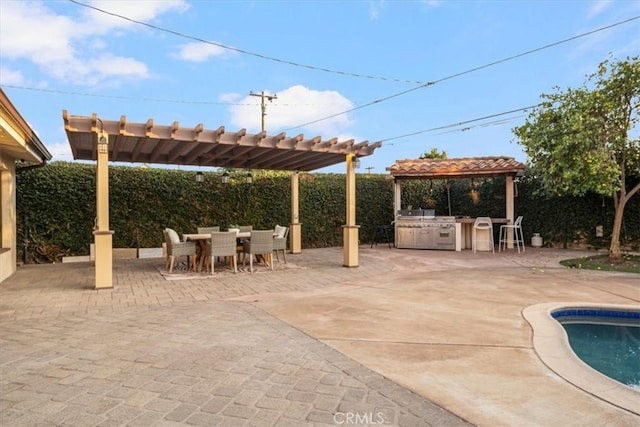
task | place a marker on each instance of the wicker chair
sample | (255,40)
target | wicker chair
(207,230)
(261,243)
(280,242)
(240,242)
(222,244)
(176,248)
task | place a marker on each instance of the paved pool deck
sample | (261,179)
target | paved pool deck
(408,338)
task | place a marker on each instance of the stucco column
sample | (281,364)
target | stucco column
(397,197)
(397,205)
(350,229)
(295,232)
(510,210)
(102,235)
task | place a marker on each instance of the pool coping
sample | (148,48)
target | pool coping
(551,344)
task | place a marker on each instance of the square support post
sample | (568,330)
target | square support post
(350,229)
(295,232)
(102,235)
(397,197)
(509,193)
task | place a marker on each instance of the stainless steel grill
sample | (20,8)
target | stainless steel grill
(413,231)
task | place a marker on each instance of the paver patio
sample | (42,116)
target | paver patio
(392,341)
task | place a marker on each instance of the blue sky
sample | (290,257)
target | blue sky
(320,58)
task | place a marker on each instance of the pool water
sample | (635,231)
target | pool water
(610,348)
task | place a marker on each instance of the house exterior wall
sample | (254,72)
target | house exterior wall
(18,141)
(8,216)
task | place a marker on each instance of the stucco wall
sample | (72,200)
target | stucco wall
(8,216)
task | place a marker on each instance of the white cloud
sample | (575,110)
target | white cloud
(230,97)
(107,65)
(375,7)
(598,7)
(144,11)
(199,52)
(293,107)
(66,48)
(47,41)
(60,151)
(9,76)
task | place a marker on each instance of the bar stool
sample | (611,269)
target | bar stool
(517,239)
(382,231)
(484,224)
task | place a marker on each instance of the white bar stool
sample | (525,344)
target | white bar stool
(518,237)
(483,223)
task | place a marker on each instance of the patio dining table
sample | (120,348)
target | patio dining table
(202,238)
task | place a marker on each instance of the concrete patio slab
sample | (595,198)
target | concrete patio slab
(450,327)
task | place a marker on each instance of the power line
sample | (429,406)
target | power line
(471,70)
(482,125)
(245,52)
(328,70)
(462,123)
(539,49)
(131,98)
(361,106)
(377,101)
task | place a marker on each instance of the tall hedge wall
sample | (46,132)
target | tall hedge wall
(56,207)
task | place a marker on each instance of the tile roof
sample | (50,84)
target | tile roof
(456,168)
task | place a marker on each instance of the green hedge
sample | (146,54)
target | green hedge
(56,207)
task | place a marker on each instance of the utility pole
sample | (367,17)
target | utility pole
(369,168)
(263,106)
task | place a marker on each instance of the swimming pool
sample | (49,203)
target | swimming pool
(606,340)
(551,345)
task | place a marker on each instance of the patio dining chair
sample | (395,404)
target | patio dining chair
(240,242)
(222,244)
(280,242)
(207,230)
(261,243)
(176,248)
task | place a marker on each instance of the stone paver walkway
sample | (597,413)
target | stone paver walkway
(157,352)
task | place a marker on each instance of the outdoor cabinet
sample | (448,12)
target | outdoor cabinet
(406,237)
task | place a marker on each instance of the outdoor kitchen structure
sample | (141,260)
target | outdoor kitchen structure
(422,228)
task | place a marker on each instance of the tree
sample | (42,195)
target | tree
(586,139)
(434,154)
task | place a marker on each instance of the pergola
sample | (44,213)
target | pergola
(458,168)
(92,138)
